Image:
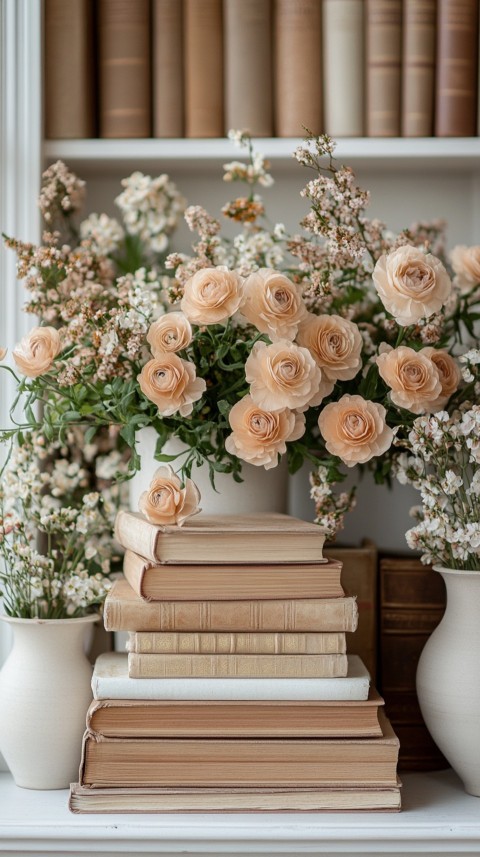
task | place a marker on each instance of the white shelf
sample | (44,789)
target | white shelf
(438,818)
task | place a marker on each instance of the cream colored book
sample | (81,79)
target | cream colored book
(343,36)
(237,666)
(189,643)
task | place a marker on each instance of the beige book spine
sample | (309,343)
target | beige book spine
(124,68)
(167,48)
(419,35)
(343,36)
(298,67)
(384,67)
(237,666)
(457,68)
(248,66)
(69,61)
(203,57)
(226,644)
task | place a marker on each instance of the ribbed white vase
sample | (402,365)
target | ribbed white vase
(44,695)
(448,677)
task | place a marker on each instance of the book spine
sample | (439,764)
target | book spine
(298,67)
(231,643)
(167,49)
(203,57)
(457,68)
(384,67)
(419,34)
(333,614)
(343,27)
(124,68)
(137,535)
(248,66)
(237,666)
(69,61)
(134,568)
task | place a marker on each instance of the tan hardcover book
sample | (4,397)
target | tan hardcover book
(129,718)
(228,582)
(419,48)
(457,68)
(343,36)
(248,65)
(230,643)
(220,539)
(182,762)
(125,611)
(384,67)
(124,68)
(360,799)
(203,59)
(237,666)
(297,67)
(167,56)
(69,63)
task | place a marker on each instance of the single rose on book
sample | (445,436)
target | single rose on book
(167,501)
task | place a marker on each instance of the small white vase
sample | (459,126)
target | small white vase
(44,695)
(448,677)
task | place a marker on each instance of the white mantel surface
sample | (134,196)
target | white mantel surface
(438,818)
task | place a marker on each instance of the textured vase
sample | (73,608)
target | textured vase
(261,491)
(44,695)
(448,678)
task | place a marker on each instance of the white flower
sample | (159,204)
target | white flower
(104,232)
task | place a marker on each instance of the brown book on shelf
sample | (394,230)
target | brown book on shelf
(124,68)
(418,71)
(125,611)
(220,539)
(182,762)
(69,64)
(412,603)
(203,59)
(360,578)
(167,57)
(230,643)
(384,67)
(128,718)
(237,666)
(297,67)
(228,582)
(248,65)
(457,68)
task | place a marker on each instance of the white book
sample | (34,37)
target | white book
(343,65)
(111,681)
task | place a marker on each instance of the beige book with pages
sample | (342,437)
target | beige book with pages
(189,643)
(237,666)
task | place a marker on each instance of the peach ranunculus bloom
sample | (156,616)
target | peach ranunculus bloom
(212,295)
(35,353)
(354,428)
(273,304)
(169,333)
(172,385)
(413,378)
(466,264)
(335,343)
(449,372)
(411,284)
(3,353)
(283,375)
(166,502)
(260,436)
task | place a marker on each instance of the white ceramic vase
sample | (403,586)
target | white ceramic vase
(44,695)
(448,677)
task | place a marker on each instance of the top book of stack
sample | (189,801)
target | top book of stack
(220,539)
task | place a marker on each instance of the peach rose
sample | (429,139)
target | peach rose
(411,284)
(466,264)
(212,295)
(171,383)
(171,332)
(166,502)
(35,354)
(335,343)
(354,428)
(449,372)
(413,378)
(3,353)
(283,375)
(273,304)
(260,436)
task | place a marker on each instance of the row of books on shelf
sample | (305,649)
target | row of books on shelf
(197,68)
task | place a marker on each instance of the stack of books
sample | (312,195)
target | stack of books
(236,692)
